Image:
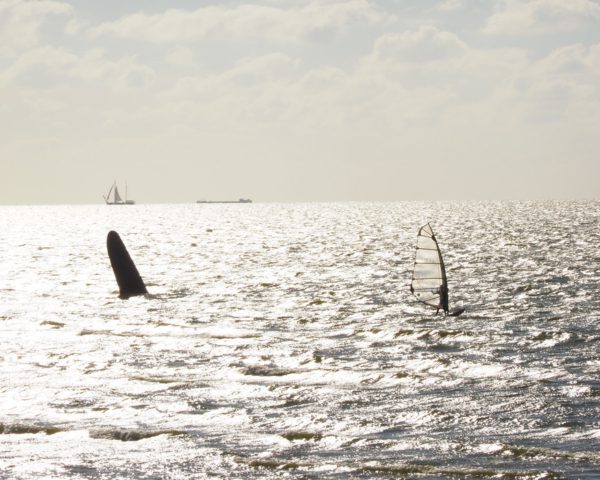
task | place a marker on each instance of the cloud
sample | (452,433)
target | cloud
(451,5)
(425,44)
(409,78)
(124,74)
(248,21)
(45,67)
(20,22)
(182,57)
(573,61)
(563,85)
(38,66)
(442,67)
(527,17)
(255,92)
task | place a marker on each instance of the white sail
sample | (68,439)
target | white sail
(107,198)
(429,284)
(118,198)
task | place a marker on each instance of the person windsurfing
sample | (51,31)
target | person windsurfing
(443,292)
(429,283)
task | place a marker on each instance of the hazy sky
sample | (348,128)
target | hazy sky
(298,100)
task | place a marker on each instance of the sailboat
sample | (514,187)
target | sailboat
(117,200)
(429,283)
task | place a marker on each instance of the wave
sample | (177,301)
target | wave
(23,429)
(261,371)
(53,324)
(435,334)
(87,331)
(212,334)
(402,470)
(302,436)
(158,379)
(130,435)
(411,469)
(124,435)
(520,451)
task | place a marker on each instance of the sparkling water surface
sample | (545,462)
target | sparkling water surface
(281,341)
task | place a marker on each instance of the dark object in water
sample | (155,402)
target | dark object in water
(429,283)
(128,278)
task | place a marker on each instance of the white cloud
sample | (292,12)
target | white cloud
(255,92)
(183,57)
(451,5)
(20,22)
(248,21)
(412,78)
(562,86)
(124,74)
(527,17)
(442,68)
(38,64)
(76,26)
(423,45)
(44,67)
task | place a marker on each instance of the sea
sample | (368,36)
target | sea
(281,340)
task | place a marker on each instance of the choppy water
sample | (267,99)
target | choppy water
(282,341)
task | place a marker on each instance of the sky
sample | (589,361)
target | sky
(299,100)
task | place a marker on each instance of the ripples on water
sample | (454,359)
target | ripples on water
(282,340)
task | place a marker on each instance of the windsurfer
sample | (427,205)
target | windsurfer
(443,292)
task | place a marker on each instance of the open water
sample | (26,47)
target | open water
(281,341)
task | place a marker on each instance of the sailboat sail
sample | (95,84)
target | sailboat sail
(429,284)
(117,196)
(107,198)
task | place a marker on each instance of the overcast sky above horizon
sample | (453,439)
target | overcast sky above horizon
(298,100)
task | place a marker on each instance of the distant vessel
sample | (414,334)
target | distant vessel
(241,200)
(429,283)
(117,200)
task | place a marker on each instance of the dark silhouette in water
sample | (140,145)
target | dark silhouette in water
(443,297)
(128,278)
(429,283)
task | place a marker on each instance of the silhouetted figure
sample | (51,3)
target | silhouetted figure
(128,278)
(443,291)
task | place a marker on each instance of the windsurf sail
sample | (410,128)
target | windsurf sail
(429,284)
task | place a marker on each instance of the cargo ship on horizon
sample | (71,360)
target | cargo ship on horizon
(241,200)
